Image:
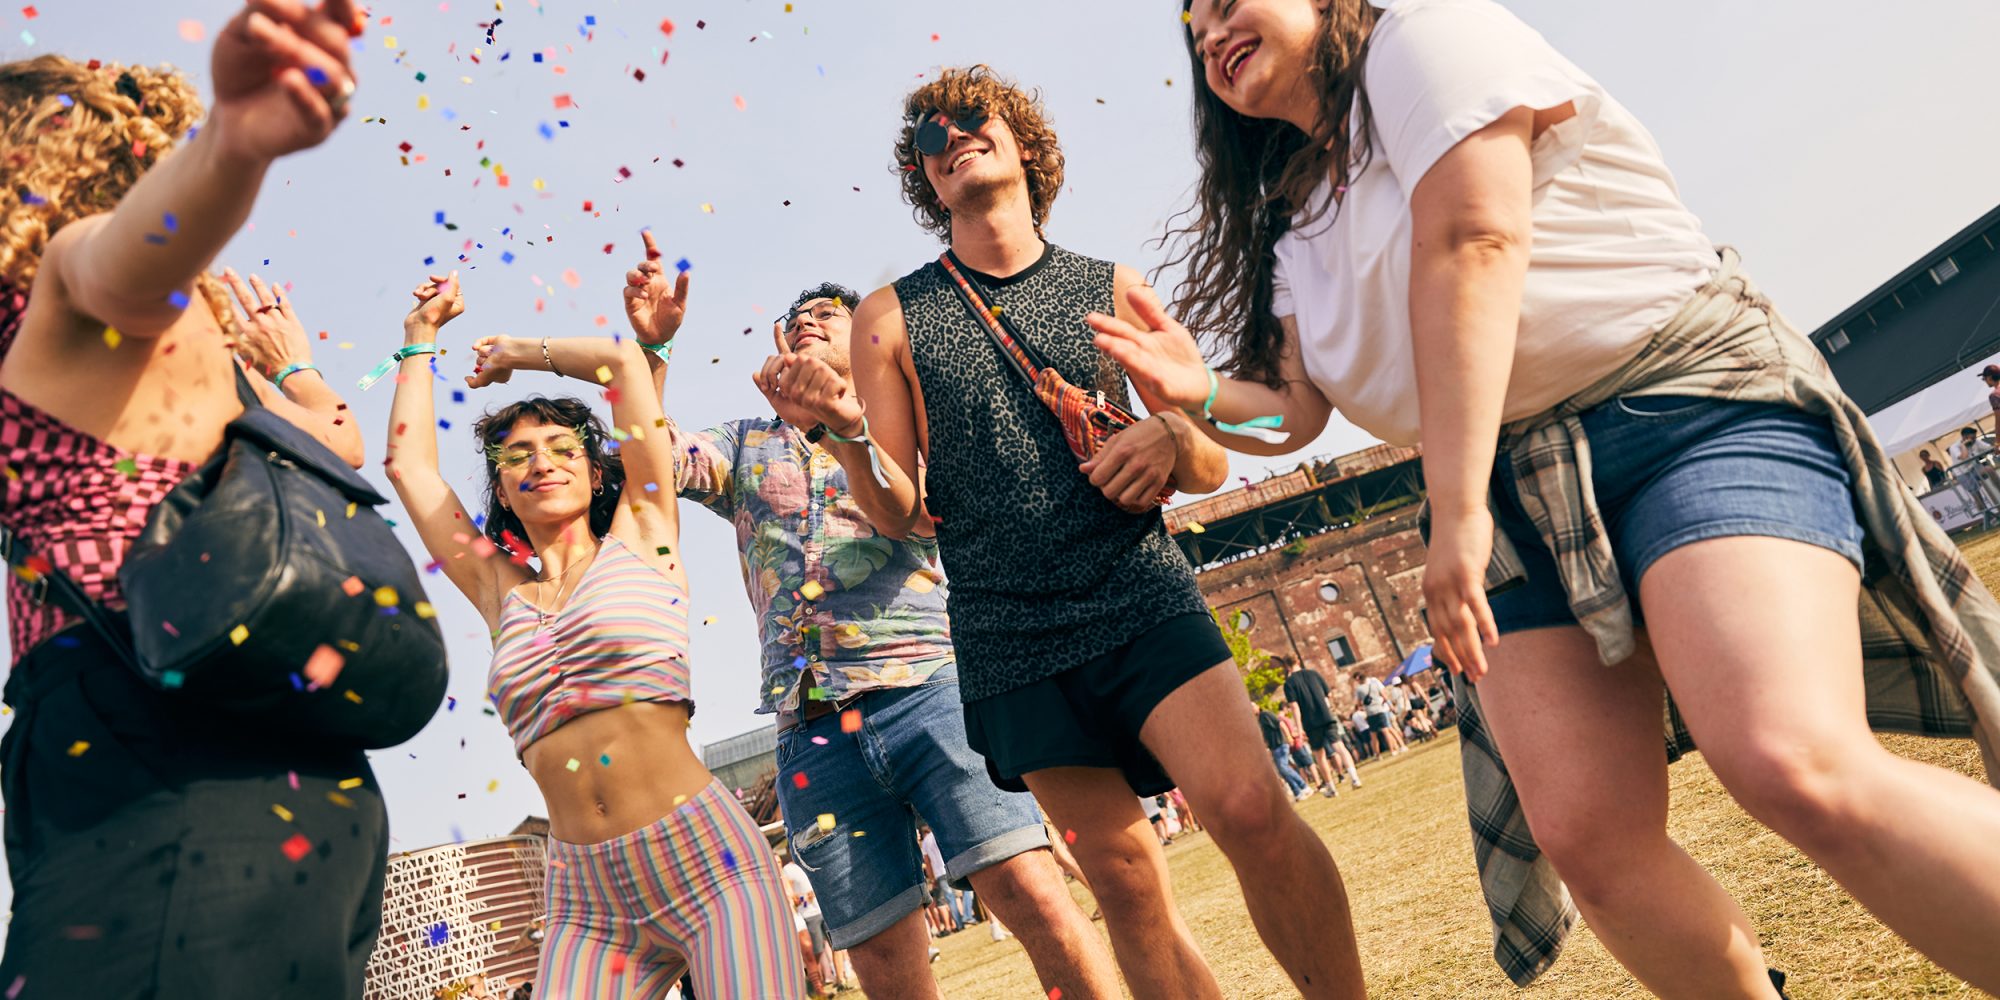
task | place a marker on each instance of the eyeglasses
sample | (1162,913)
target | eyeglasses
(823,313)
(932,136)
(562,449)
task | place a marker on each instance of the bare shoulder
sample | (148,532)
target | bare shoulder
(880,307)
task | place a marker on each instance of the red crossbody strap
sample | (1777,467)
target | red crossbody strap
(976,303)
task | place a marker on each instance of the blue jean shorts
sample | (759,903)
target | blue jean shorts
(1672,470)
(853,822)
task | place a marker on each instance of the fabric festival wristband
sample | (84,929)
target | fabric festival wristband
(377,373)
(288,371)
(874,459)
(665,351)
(1262,428)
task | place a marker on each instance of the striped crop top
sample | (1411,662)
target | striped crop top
(622,638)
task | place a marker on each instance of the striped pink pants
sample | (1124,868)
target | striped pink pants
(697,890)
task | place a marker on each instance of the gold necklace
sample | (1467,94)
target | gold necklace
(545,618)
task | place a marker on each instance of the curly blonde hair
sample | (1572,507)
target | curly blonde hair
(74,137)
(960,88)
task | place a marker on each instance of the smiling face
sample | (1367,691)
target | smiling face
(1254,55)
(978,167)
(819,328)
(545,475)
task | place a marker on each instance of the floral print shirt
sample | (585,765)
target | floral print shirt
(843,609)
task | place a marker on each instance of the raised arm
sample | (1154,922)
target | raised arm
(434,509)
(1166,366)
(877,442)
(134,267)
(270,337)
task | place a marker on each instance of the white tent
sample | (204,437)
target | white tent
(1931,419)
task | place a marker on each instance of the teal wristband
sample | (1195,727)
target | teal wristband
(665,350)
(863,439)
(377,373)
(874,459)
(1262,428)
(288,371)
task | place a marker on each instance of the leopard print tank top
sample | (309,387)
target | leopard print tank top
(1045,572)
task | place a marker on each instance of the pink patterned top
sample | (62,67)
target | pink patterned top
(622,638)
(72,499)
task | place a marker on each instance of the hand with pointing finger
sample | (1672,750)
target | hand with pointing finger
(653,307)
(804,391)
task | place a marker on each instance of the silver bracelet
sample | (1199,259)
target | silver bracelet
(551,361)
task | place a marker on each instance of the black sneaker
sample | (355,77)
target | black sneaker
(1778,980)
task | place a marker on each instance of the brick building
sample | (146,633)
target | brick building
(1322,564)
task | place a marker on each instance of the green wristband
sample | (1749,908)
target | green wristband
(288,371)
(380,371)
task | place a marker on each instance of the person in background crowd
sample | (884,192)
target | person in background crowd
(1934,472)
(819,957)
(1991,376)
(127,810)
(1373,697)
(1273,726)
(1311,708)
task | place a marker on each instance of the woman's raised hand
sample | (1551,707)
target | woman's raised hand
(272,336)
(439,301)
(282,75)
(1164,363)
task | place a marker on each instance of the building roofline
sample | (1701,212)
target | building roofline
(1959,239)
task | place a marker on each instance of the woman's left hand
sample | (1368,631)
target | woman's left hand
(1132,467)
(1461,621)
(273,338)
(495,358)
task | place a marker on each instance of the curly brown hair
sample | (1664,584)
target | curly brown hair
(978,86)
(74,137)
(1257,180)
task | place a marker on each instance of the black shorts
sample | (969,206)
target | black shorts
(1380,722)
(1090,715)
(1324,737)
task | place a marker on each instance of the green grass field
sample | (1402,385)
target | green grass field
(1404,849)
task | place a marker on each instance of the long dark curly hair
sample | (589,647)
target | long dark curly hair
(954,90)
(607,465)
(1257,177)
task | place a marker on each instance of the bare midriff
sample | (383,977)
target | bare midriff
(632,765)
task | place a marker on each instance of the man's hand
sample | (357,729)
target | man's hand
(654,311)
(1132,467)
(807,391)
(272,337)
(282,76)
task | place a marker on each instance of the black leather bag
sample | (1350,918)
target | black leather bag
(269,558)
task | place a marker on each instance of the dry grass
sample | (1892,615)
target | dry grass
(1405,851)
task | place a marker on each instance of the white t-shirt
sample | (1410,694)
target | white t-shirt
(930,849)
(801,887)
(1614,255)
(1960,453)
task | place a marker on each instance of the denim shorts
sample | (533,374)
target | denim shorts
(1671,470)
(852,820)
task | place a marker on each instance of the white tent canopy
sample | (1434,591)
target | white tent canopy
(1933,415)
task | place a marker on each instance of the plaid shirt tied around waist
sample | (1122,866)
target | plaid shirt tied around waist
(1930,631)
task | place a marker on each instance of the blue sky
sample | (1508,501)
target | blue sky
(1830,143)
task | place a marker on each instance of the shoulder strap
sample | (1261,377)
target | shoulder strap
(67,595)
(999,328)
(245,392)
